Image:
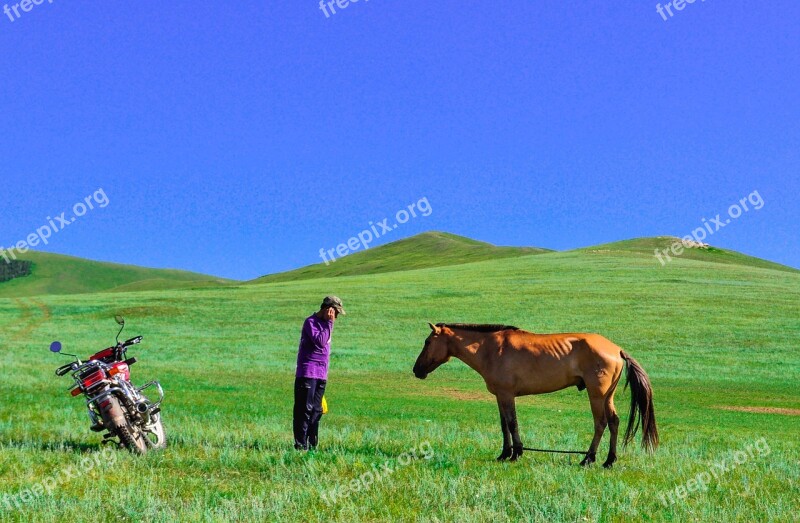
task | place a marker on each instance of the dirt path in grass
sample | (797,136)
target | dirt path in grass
(763,410)
(459,394)
(28,320)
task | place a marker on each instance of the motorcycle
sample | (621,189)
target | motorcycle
(114,404)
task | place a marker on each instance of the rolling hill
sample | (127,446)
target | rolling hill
(648,246)
(440,249)
(58,274)
(430,249)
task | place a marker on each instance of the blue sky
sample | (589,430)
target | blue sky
(238,139)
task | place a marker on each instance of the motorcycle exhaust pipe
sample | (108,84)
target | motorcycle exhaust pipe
(144,411)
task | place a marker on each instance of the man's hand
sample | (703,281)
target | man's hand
(330,314)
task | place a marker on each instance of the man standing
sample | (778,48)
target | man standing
(312,372)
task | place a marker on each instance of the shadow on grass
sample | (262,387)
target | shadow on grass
(68,446)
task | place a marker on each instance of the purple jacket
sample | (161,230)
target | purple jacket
(315,348)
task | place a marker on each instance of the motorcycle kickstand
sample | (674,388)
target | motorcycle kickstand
(107,439)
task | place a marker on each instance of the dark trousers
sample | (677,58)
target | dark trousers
(308,394)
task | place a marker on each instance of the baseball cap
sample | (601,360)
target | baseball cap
(335,302)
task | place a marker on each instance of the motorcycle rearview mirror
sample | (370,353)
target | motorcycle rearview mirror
(56,347)
(121,322)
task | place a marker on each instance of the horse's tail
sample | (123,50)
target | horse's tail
(641,401)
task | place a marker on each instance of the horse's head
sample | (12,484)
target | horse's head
(434,353)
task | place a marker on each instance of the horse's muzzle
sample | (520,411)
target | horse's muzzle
(420,373)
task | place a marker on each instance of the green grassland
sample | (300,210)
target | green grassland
(712,336)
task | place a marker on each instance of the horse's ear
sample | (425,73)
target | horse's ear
(434,328)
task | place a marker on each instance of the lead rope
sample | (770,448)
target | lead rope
(557,451)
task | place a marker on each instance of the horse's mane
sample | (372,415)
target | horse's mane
(474,327)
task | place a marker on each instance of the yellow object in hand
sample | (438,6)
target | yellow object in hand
(324,405)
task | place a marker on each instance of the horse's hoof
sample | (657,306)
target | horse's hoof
(608,465)
(507,453)
(588,460)
(516,453)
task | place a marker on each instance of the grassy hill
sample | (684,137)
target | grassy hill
(648,246)
(719,342)
(439,249)
(430,249)
(58,274)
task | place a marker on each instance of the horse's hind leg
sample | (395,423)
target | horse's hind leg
(600,422)
(613,427)
(612,417)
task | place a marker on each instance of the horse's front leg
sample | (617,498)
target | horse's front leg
(506,453)
(508,409)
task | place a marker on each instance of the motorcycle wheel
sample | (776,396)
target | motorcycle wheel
(155,435)
(129,435)
(133,438)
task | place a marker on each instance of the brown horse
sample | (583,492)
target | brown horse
(515,363)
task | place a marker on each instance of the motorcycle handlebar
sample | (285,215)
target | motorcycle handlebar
(132,341)
(63,370)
